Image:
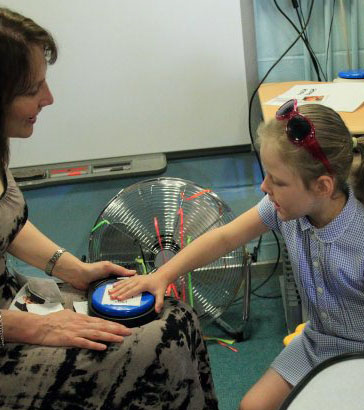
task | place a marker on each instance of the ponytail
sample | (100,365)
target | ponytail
(357,170)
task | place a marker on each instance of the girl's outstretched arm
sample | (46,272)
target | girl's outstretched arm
(202,251)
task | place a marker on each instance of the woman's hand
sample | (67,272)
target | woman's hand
(90,272)
(153,283)
(69,329)
(62,329)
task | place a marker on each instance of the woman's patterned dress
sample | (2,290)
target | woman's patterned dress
(162,365)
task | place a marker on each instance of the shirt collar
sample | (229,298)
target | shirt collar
(334,229)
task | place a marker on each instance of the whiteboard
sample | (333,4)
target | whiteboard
(141,76)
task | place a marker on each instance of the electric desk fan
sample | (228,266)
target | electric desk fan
(147,223)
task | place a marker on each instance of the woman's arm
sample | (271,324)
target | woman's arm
(33,247)
(64,328)
(200,252)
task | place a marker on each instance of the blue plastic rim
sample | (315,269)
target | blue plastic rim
(352,74)
(122,311)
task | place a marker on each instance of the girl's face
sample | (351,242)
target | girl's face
(22,113)
(284,187)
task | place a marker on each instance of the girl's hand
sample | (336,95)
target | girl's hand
(94,271)
(69,329)
(153,283)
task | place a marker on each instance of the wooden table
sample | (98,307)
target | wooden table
(353,120)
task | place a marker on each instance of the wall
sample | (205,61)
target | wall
(274,34)
(60,211)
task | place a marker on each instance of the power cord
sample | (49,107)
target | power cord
(270,275)
(329,36)
(262,81)
(256,249)
(298,8)
(314,59)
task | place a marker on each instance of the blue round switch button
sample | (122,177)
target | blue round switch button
(131,307)
(352,74)
(132,312)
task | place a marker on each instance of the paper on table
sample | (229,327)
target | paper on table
(81,307)
(45,308)
(338,96)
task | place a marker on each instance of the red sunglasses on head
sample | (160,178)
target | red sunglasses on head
(301,131)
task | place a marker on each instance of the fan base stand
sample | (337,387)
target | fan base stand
(239,334)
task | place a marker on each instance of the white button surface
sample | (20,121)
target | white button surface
(315,264)
(320,290)
(323,315)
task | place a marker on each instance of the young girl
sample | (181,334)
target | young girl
(307,154)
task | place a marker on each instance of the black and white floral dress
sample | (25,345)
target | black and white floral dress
(162,365)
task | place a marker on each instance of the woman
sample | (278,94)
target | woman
(65,359)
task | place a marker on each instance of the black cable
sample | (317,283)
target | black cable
(270,275)
(262,81)
(301,19)
(256,249)
(329,37)
(250,125)
(303,36)
(313,56)
(324,74)
(315,60)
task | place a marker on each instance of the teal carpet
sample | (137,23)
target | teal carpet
(235,372)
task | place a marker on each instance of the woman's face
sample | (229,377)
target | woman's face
(22,113)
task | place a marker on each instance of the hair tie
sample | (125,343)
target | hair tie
(355,142)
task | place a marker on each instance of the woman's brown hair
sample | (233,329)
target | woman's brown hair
(17,35)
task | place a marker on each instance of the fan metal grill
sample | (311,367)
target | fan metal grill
(147,223)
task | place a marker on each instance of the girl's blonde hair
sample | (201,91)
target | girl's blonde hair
(334,139)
